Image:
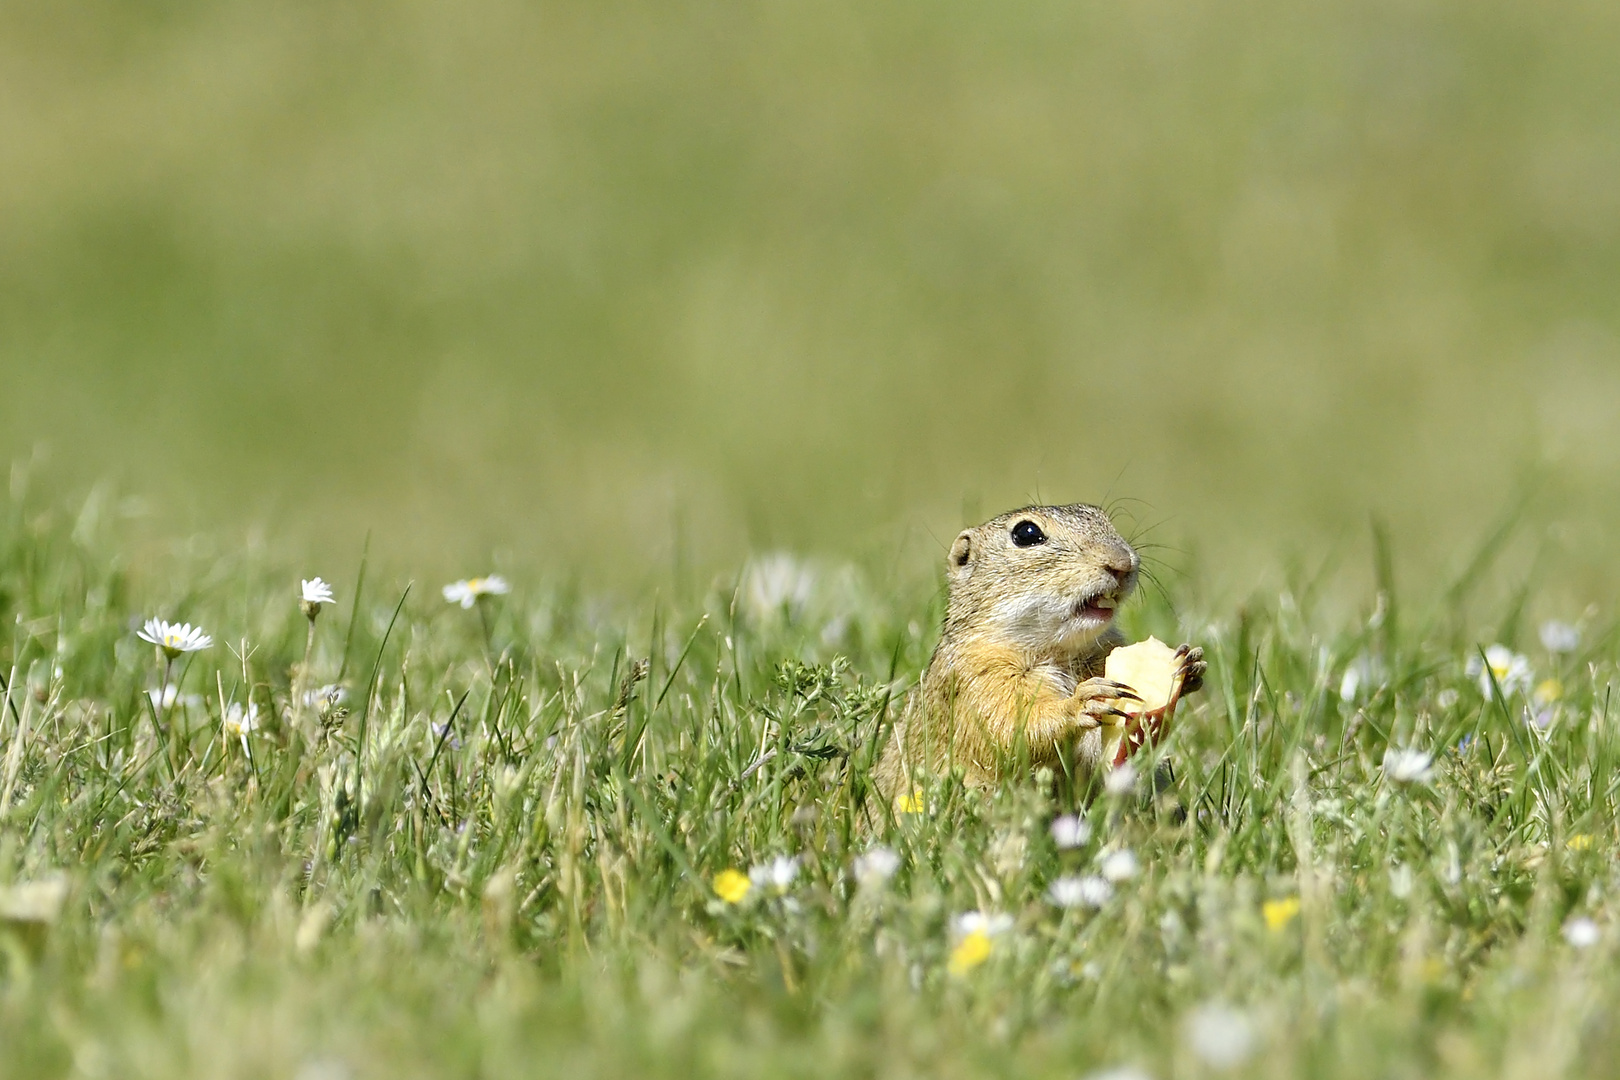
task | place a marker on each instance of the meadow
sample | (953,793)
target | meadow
(516,830)
(705,326)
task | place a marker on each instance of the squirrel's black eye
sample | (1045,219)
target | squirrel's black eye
(1027,534)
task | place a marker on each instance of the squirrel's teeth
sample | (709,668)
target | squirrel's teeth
(1105,602)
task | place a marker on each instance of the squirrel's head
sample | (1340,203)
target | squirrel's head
(1050,577)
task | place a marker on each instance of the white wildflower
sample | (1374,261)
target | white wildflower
(239,723)
(1560,637)
(1408,766)
(171,694)
(1089,891)
(327,698)
(1071,831)
(1582,932)
(1121,780)
(1350,685)
(470,591)
(1118,865)
(776,584)
(1220,1035)
(876,866)
(1503,667)
(978,922)
(174,638)
(311,595)
(836,633)
(1364,671)
(778,874)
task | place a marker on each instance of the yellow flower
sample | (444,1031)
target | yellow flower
(1579,842)
(911,804)
(732,886)
(1549,691)
(1279,913)
(970,952)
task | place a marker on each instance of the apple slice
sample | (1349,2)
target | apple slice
(1153,670)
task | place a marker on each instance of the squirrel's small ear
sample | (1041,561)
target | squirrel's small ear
(961,551)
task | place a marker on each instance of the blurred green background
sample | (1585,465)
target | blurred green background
(604,285)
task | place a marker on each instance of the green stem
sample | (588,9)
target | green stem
(160,718)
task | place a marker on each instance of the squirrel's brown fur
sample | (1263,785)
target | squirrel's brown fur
(1016,680)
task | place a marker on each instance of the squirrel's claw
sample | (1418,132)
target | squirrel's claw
(1100,688)
(1192,668)
(1098,700)
(1120,690)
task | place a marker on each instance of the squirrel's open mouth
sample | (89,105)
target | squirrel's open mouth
(1098,607)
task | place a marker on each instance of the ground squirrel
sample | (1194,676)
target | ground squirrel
(1016,680)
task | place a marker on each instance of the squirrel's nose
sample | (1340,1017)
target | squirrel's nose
(1122,563)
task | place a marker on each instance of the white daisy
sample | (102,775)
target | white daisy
(1220,1035)
(777,584)
(1582,932)
(174,638)
(312,595)
(1560,637)
(1121,780)
(469,592)
(239,723)
(1118,865)
(777,874)
(876,866)
(171,694)
(326,698)
(1070,831)
(977,922)
(1089,891)
(1364,671)
(1408,766)
(1503,667)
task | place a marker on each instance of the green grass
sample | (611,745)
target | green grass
(530,892)
(626,292)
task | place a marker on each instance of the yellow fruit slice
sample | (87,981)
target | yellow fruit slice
(1151,669)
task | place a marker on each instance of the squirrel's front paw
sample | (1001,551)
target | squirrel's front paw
(1099,698)
(1192,668)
